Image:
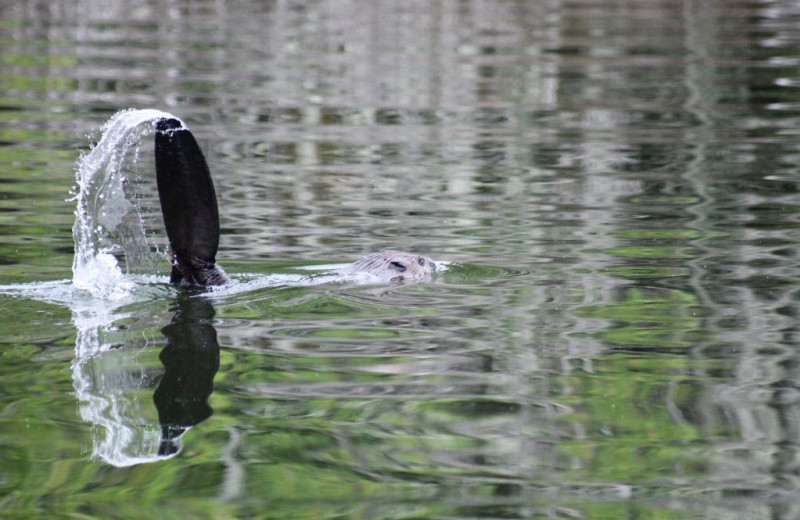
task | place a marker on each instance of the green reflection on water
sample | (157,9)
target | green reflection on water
(650,318)
(616,183)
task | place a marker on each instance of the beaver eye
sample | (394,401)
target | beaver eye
(397,266)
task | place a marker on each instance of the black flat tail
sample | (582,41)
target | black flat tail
(189,206)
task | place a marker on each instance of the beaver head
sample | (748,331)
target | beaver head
(394,266)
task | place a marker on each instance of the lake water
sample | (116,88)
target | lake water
(614,186)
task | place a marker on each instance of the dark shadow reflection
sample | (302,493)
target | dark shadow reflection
(114,372)
(191,360)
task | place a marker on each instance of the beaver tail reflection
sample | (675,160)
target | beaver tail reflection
(189,206)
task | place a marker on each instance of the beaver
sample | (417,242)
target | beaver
(393,266)
(191,217)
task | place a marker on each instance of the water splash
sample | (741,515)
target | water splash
(101,216)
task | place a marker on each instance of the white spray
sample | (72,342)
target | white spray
(102,205)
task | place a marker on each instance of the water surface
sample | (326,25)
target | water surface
(615,184)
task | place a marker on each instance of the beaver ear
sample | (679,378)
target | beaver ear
(188,199)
